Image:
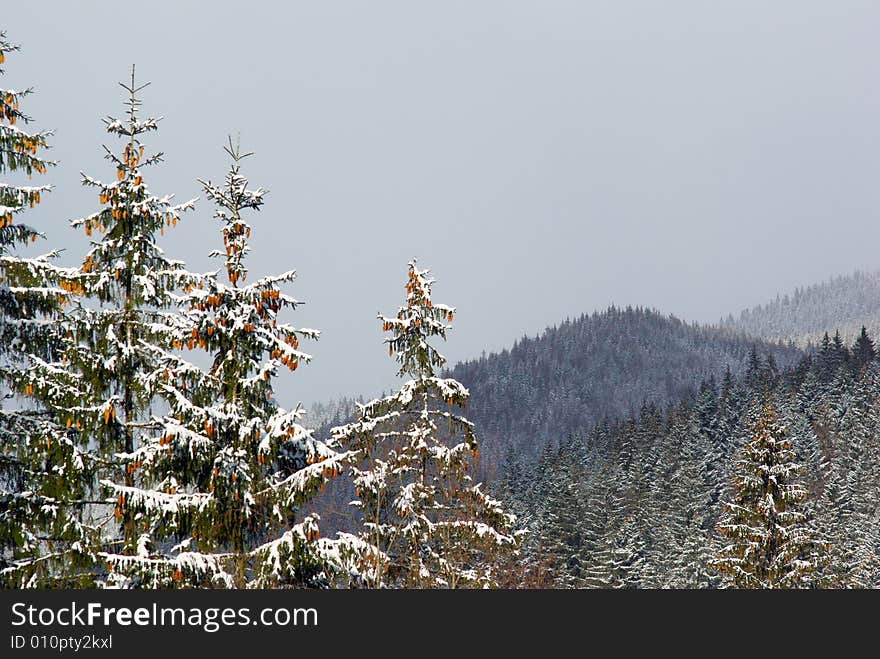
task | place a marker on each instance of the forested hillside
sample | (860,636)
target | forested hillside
(637,502)
(843,303)
(601,365)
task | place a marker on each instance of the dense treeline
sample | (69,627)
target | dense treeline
(637,502)
(596,366)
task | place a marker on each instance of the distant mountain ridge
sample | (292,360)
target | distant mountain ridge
(600,365)
(844,303)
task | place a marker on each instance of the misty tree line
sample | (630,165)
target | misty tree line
(846,303)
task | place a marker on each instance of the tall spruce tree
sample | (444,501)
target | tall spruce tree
(427,523)
(42,470)
(769,543)
(123,292)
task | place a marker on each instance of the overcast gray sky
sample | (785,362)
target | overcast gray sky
(543,158)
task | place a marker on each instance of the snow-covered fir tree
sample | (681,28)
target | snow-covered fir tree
(41,468)
(770,544)
(218,487)
(428,524)
(100,387)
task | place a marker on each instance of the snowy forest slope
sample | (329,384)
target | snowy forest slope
(636,503)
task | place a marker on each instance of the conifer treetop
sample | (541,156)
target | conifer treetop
(230,200)
(128,256)
(416,322)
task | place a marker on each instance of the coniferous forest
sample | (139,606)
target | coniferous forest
(142,444)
